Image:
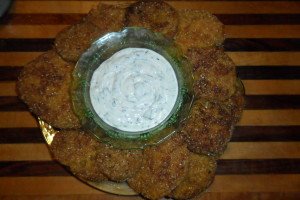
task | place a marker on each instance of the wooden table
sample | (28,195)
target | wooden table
(261,162)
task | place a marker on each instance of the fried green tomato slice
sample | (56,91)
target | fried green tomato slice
(44,86)
(119,165)
(214,73)
(78,151)
(235,104)
(198,29)
(208,128)
(92,160)
(71,42)
(200,174)
(107,18)
(157,16)
(163,168)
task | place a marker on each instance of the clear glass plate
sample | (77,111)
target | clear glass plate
(104,48)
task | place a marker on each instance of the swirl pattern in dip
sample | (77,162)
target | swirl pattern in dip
(134,90)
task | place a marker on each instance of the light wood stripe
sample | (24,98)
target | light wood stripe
(17,119)
(252,87)
(235,150)
(240,58)
(218,7)
(231,31)
(71,185)
(30,31)
(270,117)
(272,87)
(8,89)
(265,58)
(19,152)
(249,118)
(17,58)
(262,150)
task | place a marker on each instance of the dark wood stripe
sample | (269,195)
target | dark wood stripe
(257,102)
(268,72)
(20,135)
(240,134)
(266,166)
(227,19)
(239,44)
(12,103)
(32,168)
(244,166)
(259,19)
(230,44)
(9,73)
(266,134)
(253,102)
(26,45)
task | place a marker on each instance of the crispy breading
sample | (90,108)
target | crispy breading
(44,86)
(198,29)
(72,41)
(235,104)
(119,165)
(107,18)
(214,73)
(200,174)
(208,128)
(163,168)
(93,160)
(78,151)
(157,16)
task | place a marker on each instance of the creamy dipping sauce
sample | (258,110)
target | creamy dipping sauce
(134,90)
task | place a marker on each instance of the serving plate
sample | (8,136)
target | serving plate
(106,186)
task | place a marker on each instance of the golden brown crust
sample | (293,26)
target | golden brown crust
(162,170)
(214,73)
(235,104)
(198,29)
(44,86)
(107,18)
(78,151)
(71,42)
(119,165)
(208,128)
(157,16)
(200,174)
(93,160)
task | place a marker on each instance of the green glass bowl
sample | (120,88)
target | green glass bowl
(104,48)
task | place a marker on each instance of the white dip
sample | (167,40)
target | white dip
(134,90)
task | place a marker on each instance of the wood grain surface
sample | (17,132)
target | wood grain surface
(262,161)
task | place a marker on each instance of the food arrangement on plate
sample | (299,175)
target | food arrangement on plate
(138,94)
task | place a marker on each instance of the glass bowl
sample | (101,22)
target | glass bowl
(101,50)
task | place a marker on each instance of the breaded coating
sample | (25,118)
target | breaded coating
(208,128)
(157,16)
(78,151)
(214,73)
(108,18)
(93,160)
(199,29)
(200,174)
(235,104)
(44,86)
(71,42)
(119,165)
(163,168)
